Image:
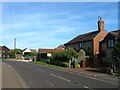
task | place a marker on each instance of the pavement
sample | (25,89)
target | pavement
(94,72)
(10,78)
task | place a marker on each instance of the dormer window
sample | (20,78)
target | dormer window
(110,43)
(81,45)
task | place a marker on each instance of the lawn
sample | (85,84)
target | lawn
(43,63)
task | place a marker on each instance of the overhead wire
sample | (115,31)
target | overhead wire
(12,25)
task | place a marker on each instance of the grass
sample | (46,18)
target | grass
(43,63)
(12,59)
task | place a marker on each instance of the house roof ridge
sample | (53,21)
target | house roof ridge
(83,37)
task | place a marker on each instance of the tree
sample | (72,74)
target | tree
(81,53)
(13,52)
(116,55)
(117,51)
(71,53)
(29,54)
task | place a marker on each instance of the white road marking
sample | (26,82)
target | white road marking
(81,74)
(40,70)
(60,77)
(88,87)
(50,83)
(85,86)
(92,77)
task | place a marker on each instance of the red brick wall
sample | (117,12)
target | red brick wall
(96,46)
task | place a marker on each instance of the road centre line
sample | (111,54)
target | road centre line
(40,70)
(60,77)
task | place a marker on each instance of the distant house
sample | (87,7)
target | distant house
(33,50)
(107,47)
(90,41)
(42,53)
(26,50)
(61,47)
(5,52)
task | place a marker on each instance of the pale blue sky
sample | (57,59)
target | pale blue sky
(47,25)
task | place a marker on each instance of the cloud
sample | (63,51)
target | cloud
(40,26)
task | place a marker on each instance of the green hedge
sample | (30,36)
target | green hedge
(58,63)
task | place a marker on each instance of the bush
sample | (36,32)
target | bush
(12,53)
(59,56)
(70,53)
(29,54)
(81,53)
(62,58)
(44,55)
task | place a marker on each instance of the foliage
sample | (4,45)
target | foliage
(43,55)
(70,53)
(47,64)
(59,56)
(116,53)
(81,53)
(62,58)
(29,54)
(88,51)
(12,53)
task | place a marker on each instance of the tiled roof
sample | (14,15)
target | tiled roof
(33,50)
(5,47)
(112,35)
(115,33)
(60,47)
(84,37)
(49,50)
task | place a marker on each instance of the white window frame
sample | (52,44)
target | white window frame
(110,43)
(81,45)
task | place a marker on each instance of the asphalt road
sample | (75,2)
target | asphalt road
(17,74)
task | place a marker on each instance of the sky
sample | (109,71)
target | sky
(50,24)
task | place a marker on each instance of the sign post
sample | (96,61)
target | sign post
(49,55)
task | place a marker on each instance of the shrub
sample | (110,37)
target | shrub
(12,53)
(29,54)
(70,53)
(81,53)
(59,56)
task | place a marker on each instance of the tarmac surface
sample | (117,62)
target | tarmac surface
(17,74)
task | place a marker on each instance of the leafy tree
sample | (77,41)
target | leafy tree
(12,53)
(63,56)
(29,54)
(71,53)
(117,51)
(81,53)
(59,56)
(88,51)
(116,54)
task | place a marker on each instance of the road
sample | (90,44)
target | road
(16,74)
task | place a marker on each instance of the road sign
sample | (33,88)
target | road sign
(49,54)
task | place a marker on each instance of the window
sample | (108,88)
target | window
(3,51)
(81,45)
(110,43)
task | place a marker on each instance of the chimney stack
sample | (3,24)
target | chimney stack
(100,24)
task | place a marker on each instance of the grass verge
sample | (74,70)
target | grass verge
(43,63)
